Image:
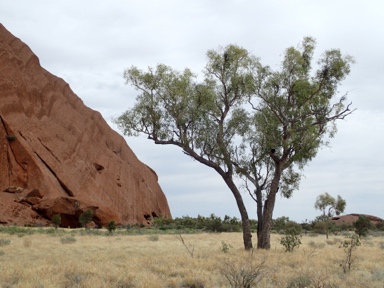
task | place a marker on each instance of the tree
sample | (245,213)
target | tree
(56,220)
(111,226)
(85,218)
(203,119)
(362,225)
(329,206)
(244,119)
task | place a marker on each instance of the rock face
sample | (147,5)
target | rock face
(59,156)
(351,218)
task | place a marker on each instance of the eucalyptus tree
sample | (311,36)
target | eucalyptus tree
(295,110)
(203,118)
(244,119)
(330,206)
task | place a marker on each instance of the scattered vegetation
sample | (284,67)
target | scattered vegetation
(349,246)
(243,272)
(111,226)
(95,258)
(153,237)
(67,239)
(291,240)
(362,225)
(4,242)
(56,220)
(85,218)
(225,247)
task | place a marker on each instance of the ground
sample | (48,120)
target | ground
(68,259)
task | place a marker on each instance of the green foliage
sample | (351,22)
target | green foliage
(291,240)
(362,225)
(212,223)
(225,247)
(243,117)
(4,242)
(1,252)
(329,206)
(67,239)
(111,226)
(85,218)
(380,226)
(11,138)
(56,220)
(349,246)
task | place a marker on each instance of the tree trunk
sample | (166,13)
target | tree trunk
(259,203)
(264,240)
(247,235)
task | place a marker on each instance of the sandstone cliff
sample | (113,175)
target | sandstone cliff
(59,156)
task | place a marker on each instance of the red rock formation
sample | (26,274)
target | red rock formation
(351,218)
(59,156)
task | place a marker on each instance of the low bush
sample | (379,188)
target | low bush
(67,239)
(291,240)
(153,237)
(4,242)
(299,282)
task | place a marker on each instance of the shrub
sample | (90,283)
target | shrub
(243,273)
(111,226)
(4,242)
(191,283)
(67,239)
(225,247)
(85,218)
(378,275)
(153,237)
(313,244)
(56,220)
(380,225)
(299,282)
(362,225)
(349,245)
(1,252)
(291,240)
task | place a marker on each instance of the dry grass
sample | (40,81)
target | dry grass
(137,261)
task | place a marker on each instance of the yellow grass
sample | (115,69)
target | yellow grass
(140,261)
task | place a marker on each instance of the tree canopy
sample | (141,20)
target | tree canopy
(244,119)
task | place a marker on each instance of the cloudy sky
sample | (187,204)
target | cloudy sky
(90,43)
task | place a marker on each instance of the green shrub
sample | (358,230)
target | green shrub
(225,247)
(4,242)
(67,239)
(313,244)
(362,225)
(380,225)
(378,275)
(291,240)
(111,226)
(1,252)
(85,218)
(56,220)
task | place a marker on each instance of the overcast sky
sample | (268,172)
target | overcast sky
(90,43)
